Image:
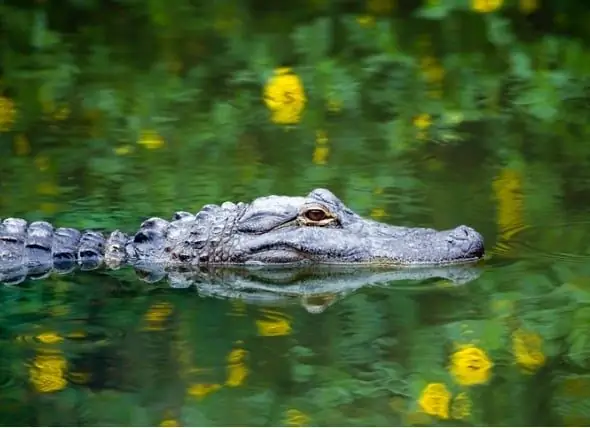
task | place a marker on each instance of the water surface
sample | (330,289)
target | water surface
(422,125)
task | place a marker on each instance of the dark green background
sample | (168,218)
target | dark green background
(507,153)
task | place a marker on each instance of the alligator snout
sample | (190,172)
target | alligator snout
(468,241)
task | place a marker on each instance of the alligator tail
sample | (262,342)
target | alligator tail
(36,249)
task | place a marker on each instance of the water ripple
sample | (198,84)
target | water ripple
(556,242)
(73,337)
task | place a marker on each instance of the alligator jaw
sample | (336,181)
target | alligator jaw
(364,242)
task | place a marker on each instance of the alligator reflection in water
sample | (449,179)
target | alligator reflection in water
(313,288)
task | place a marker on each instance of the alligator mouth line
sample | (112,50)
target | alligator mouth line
(304,258)
(368,263)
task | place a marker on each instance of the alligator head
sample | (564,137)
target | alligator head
(319,228)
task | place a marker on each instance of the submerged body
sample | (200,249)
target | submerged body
(271,230)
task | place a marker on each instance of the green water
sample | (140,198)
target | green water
(114,113)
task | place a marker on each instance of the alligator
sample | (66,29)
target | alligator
(272,230)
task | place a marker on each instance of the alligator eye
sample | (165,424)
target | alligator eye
(316,215)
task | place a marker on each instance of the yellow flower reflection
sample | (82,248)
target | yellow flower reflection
(296,418)
(321,137)
(236,374)
(461,406)
(527,349)
(22,146)
(123,150)
(56,112)
(157,315)
(47,373)
(277,324)
(433,73)
(320,155)
(42,162)
(200,390)
(431,70)
(49,338)
(48,207)
(237,355)
(470,366)
(485,6)
(434,400)
(321,150)
(507,188)
(151,140)
(238,308)
(273,327)
(422,123)
(159,312)
(333,105)
(378,213)
(236,368)
(365,21)
(7,113)
(47,188)
(285,97)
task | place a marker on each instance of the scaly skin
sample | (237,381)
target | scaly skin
(270,231)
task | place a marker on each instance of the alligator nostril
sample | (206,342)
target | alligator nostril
(467,241)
